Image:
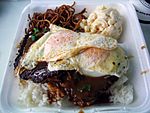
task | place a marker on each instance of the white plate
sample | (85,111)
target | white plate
(132,40)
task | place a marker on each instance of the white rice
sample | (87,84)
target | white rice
(32,94)
(122,92)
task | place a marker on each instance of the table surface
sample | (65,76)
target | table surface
(9,17)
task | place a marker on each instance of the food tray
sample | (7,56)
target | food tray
(132,41)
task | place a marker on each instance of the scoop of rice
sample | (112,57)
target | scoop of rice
(122,92)
(32,94)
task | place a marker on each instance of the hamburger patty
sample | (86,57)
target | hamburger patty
(81,90)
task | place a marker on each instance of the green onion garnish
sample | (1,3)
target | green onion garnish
(34,38)
(86,87)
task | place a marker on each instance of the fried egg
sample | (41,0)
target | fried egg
(98,62)
(61,43)
(95,62)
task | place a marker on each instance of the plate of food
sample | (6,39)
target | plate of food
(77,57)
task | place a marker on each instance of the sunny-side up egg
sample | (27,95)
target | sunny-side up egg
(98,62)
(63,49)
(95,62)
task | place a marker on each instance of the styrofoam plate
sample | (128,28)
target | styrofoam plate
(132,41)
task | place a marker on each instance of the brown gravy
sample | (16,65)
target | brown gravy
(81,90)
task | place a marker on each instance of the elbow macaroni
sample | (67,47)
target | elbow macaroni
(104,20)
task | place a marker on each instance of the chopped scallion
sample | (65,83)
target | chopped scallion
(86,87)
(33,37)
(36,30)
